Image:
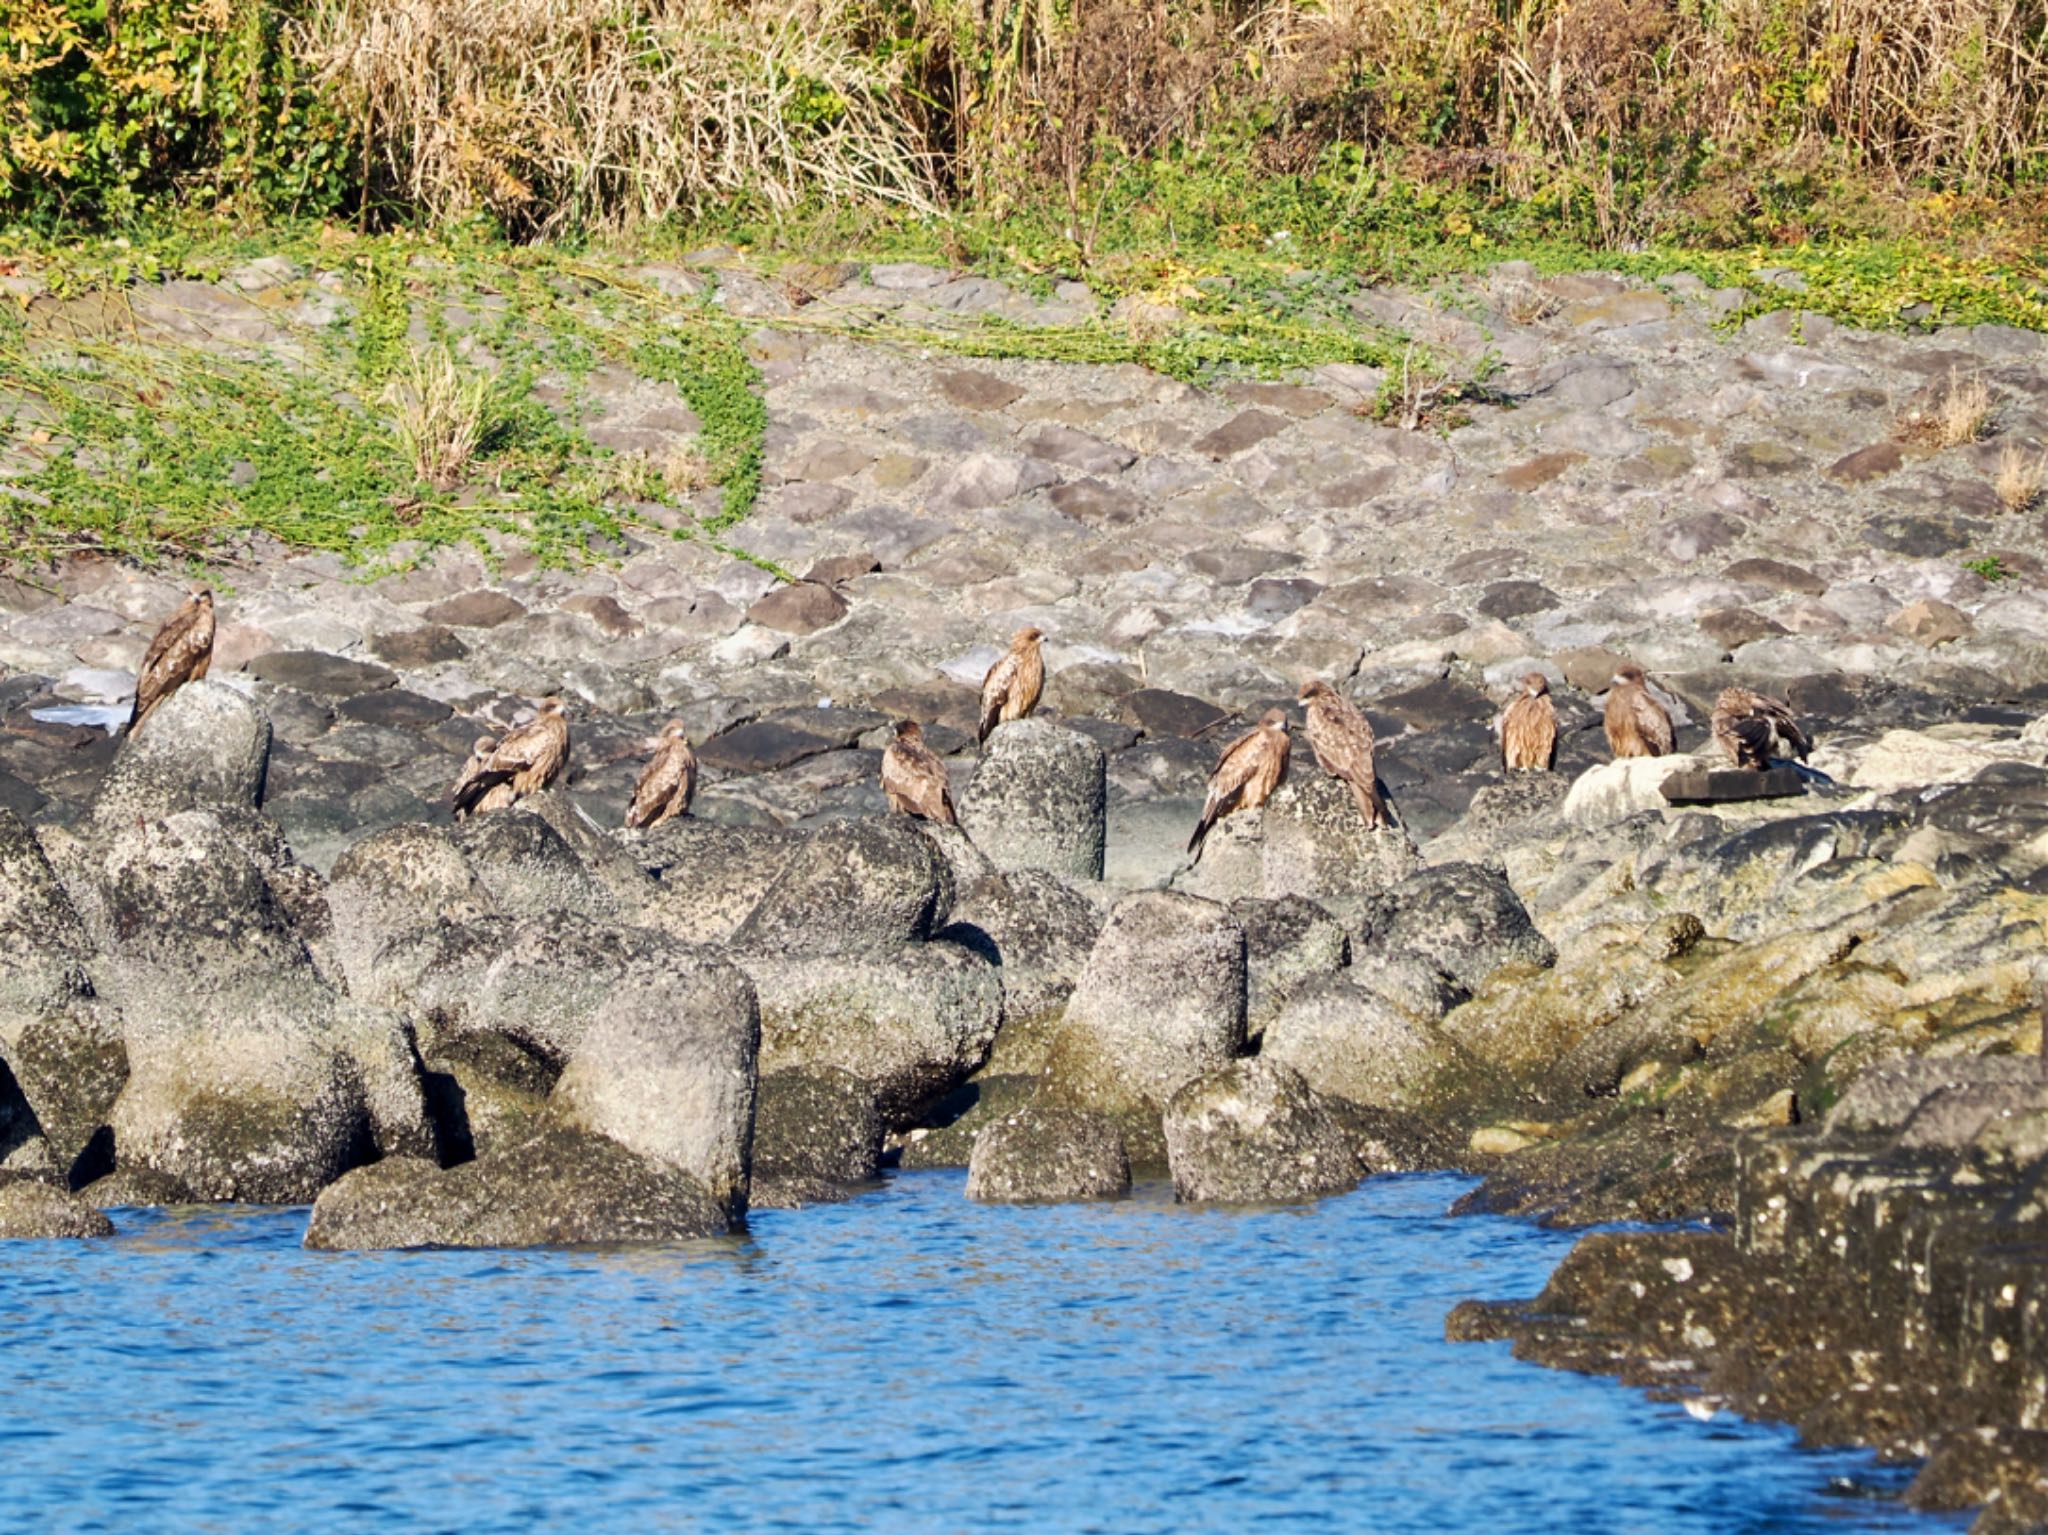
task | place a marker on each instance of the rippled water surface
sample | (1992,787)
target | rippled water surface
(905,1362)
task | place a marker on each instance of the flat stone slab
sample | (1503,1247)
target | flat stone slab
(1700,787)
(314,671)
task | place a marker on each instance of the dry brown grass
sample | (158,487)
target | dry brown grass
(684,472)
(440,414)
(1956,413)
(1525,303)
(556,114)
(2020,477)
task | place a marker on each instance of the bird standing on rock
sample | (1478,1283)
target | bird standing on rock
(526,761)
(1527,728)
(1341,737)
(914,779)
(1637,725)
(181,653)
(1011,688)
(669,782)
(1246,775)
(1752,728)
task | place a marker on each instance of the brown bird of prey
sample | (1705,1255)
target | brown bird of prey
(524,762)
(1752,728)
(670,781)
(495,797)
(1527,728)
(1246,775)
(914,779)
(1637,725)
(1011,688)
(1342,740)
(180,653)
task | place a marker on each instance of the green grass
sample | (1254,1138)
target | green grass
(166,452)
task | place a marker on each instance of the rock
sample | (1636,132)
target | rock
(313,671)
(909,1022)
(1354,1043)
(526,869)
(1160,712)
(38,1212)
(666,1068)
(1038,933)
(1732,785)
(205,746)
(71,1065)
(859,887)
(1464,919)
(1628,786)
(709,877)
(816,1124)
(1866,464)
(553,976)
(971,389)
(803,607)
(1042,1152)
(555,1188)
(1289,943)
(1160,1001)
(1930,622)
(406,877)
(1913,759)
(240,1083)
(135,1188)
(1256,1132)
(476,610)
(428,645)
(1240,434)
(395,709)
(1038,800)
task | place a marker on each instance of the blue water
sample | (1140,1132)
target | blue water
(908,1361)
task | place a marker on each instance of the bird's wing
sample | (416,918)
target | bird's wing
(1030,681)
(180,645)
(916,777)
(474,790)
(1795,740)
(995,689)
(1521,732)
(1652,724)
(658,784)
(1343,744)
(1234,769)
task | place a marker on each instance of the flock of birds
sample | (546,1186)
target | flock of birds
(1752,728)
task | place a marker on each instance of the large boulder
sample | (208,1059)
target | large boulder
(1256,1132)
(37,1211)
(853,888)
(1627,786)
(243,1081)
(1043,1151)
(205,747)
(1463,918)
(393,882)
(612,865)
(666,1068)
(709,878)
(1289,943)
(528,870)
(908,1022)
(554,974)
(1038,800)
(1037,931)
(62,1042)
(1350,1042)
(1309,841)
(1160,1002)
(816,1126)
(555,1188)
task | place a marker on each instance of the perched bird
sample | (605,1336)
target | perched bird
(1752,728)
(524,762)
(180,653)
(1246,775)
(496,796)
(1011,688)
(669,782)
(914,779)
(1341,737)
(1527,728)
(1637,725)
